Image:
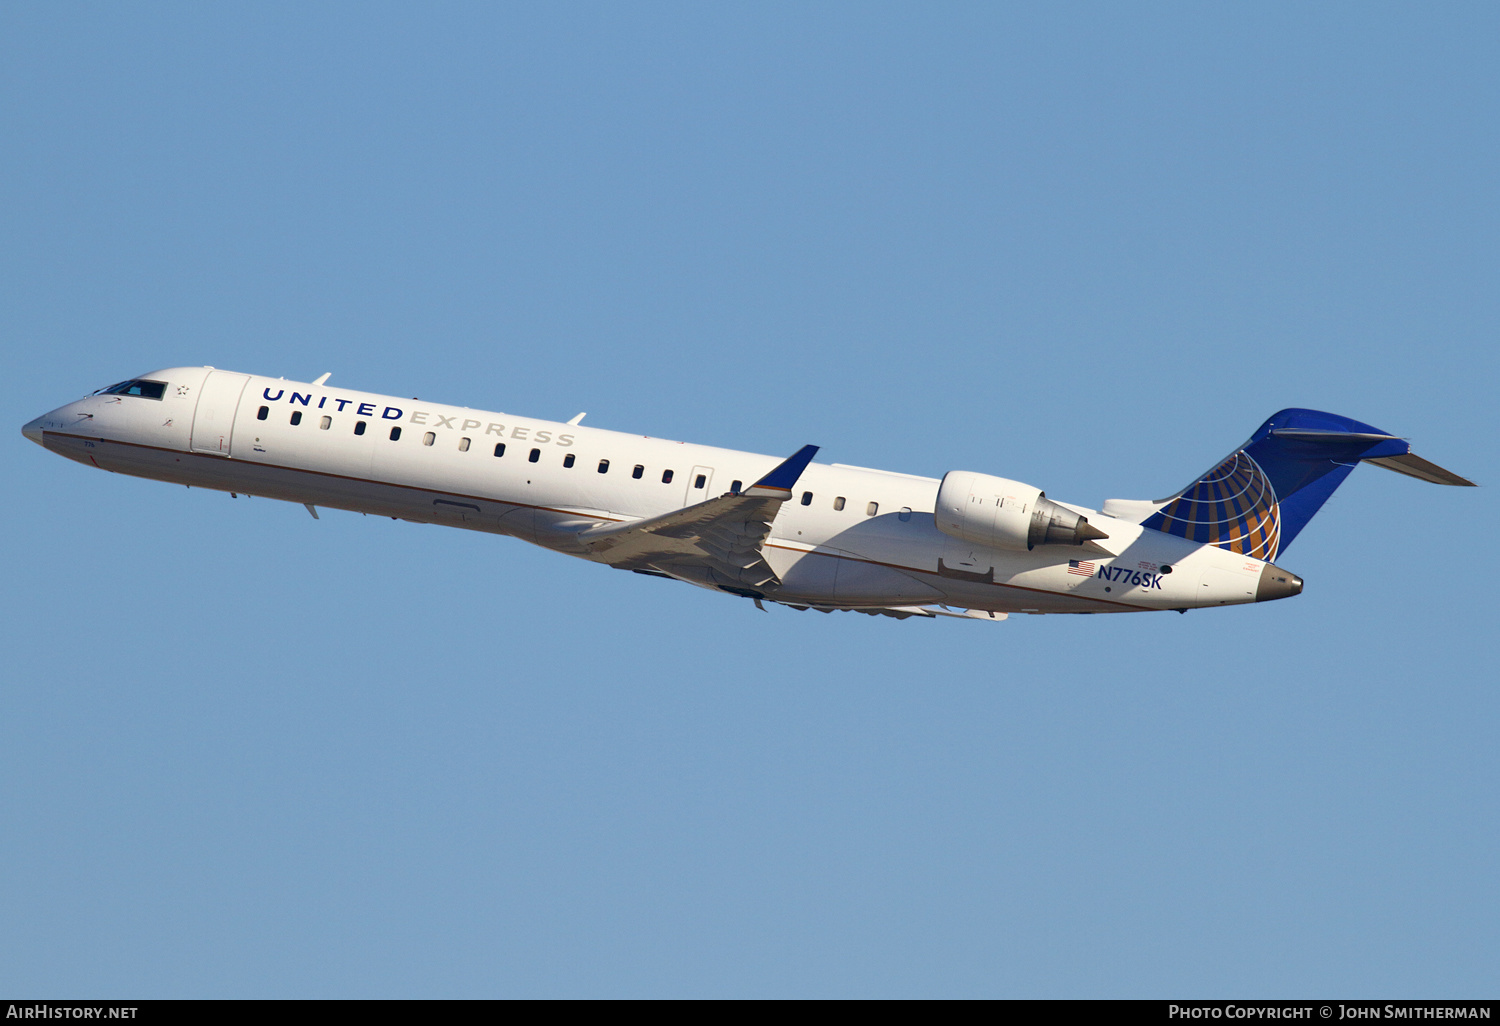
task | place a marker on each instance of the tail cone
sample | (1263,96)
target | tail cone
(1276,583)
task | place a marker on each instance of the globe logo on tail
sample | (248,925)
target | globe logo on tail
(1233,506)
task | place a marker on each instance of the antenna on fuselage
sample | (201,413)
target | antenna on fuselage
(324,378)
(577,420)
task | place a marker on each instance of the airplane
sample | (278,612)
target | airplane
(789,531)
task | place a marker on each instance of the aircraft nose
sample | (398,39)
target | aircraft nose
(33,430)
(1276,583)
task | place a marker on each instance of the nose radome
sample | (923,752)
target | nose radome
(33,431)
(1276,583)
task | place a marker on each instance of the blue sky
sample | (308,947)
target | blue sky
(1087,246)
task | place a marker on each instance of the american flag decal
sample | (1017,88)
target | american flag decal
(1081,567)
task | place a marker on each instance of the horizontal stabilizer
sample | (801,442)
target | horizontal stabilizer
(1413,465)
(1344,438)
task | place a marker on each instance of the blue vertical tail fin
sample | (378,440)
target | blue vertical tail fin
(1261,496)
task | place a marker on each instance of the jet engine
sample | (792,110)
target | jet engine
(1004,514)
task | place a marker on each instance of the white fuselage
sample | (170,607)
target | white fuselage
(848,538)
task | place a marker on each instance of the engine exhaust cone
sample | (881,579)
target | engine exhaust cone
(1087,531)
(1052,524)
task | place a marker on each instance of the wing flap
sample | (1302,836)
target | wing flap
(906,612)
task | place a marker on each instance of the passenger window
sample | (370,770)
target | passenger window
(429,438)
(325,423)
(296,417)
(463,445)
(536,454)
(807,498)
(904,515)
(736,486)
(838,503)
(359,427)
(499,448)
(700,481)
(638,471)
(264,412)
(666,477)
(395,434)
(872,509)
(604,466)
(569,460)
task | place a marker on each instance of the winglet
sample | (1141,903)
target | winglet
(778,483)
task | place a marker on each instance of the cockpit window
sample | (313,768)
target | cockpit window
(144,389)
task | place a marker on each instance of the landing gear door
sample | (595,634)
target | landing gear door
(213,420)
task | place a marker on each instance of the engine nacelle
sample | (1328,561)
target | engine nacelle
(999,513)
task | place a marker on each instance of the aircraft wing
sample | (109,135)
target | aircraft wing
(716,543)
